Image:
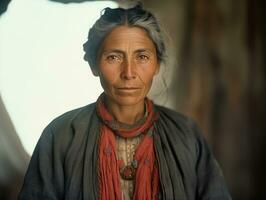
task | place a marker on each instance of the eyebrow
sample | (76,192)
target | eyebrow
(112,51)
(143,50)
(122,52)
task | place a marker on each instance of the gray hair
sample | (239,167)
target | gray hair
(111,18)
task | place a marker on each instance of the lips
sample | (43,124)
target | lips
(128,88)
(125,91)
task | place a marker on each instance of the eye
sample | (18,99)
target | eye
(143,57)
(113,58)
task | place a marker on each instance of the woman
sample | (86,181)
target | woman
(123,146)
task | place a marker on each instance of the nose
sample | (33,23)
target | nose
(128,70)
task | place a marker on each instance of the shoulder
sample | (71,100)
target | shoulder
(59,133)
(62,129)
(178,125)
(175,117)
(172,114)
(183,127)
(77,116)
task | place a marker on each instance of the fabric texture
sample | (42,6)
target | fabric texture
(65,160)
(125,149)
(147,176)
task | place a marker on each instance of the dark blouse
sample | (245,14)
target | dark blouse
(64,162)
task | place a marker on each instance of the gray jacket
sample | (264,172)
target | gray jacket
(64,162)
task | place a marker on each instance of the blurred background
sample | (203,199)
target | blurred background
(215,73)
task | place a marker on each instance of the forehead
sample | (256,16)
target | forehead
(124,37)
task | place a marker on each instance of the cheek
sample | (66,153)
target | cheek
(147,74)
(108,75)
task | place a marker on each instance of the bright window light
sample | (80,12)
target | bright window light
(42,71)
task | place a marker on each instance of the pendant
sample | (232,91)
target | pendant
(129,172)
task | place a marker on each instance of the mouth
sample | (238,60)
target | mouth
(128,88)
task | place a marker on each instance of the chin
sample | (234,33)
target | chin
(128,100)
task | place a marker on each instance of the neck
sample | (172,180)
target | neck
(126,114)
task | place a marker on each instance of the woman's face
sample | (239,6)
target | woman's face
(127,64)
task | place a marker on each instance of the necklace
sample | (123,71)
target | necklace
(126,148)
(128,172)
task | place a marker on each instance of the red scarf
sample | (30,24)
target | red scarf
(147,173)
